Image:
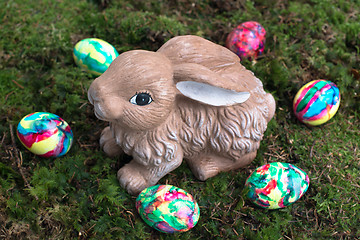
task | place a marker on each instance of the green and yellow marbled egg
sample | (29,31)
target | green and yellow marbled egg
(94,55)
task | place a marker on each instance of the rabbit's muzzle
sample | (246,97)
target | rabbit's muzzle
(99,112)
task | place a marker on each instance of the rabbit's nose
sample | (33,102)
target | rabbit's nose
(92,96)
(99,113)
(91,100)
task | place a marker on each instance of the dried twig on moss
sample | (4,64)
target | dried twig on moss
(18,159)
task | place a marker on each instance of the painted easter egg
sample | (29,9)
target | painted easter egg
(247,40)
(276,185)
(94,55)
(45,134)
(316,102)
(167,208)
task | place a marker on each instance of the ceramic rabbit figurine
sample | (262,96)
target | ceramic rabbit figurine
(191,99)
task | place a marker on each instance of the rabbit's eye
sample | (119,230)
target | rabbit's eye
(141,99)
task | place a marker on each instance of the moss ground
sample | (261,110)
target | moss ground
(78,197)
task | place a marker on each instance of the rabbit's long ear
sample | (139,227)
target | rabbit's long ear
(195,82)
(211,95)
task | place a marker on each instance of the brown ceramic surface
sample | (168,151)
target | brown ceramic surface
(205,107)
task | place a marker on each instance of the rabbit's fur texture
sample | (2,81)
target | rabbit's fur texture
(173,104)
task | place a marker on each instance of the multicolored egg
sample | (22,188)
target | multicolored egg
(45,134)
(94,55)
(276,185)
(167,208)
(247,40)
(316,102)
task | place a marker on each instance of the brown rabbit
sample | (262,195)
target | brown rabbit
(191,99)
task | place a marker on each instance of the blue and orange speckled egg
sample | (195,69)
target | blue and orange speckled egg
(45,134)
(276,185)
(247,40)
(316,102)
(94,55)
(167,208)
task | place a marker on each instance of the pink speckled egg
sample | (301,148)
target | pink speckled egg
(247,40)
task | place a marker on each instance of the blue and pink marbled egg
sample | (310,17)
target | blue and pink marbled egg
(316,102)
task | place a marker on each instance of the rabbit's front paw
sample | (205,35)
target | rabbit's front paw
(132,179)
(108,143)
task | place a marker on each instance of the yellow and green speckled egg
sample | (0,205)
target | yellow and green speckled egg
(316,102)
(94,55)
(167,208)
(45,134)
(276,185)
